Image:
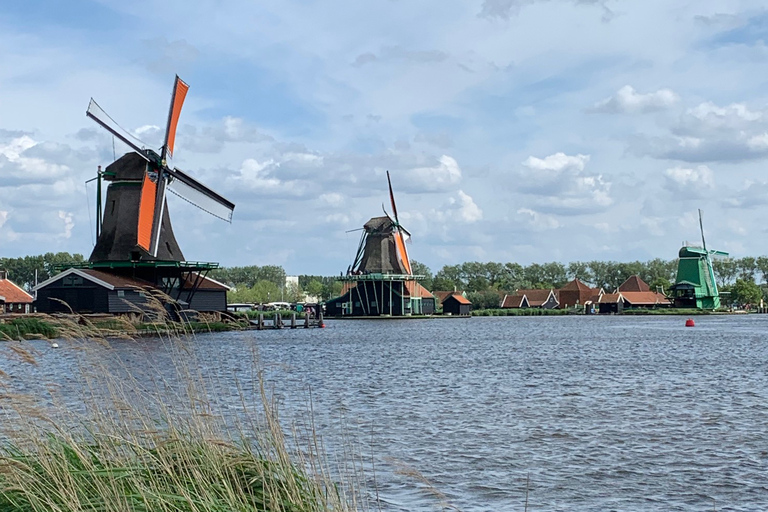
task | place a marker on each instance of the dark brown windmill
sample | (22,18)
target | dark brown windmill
(136,225)
(380,281)
(135,238)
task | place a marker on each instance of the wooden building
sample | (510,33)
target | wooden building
(457,305)
(13,298)
(633,293)
(544,299)
(87,290)
(576,293)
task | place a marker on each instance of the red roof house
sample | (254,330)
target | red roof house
(13,299)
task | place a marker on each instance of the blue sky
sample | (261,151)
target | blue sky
(515,130)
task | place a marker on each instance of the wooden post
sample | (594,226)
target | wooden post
(293,320)
(306,320)
(320,318)
(278,321)
(260,324)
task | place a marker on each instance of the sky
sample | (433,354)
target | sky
(514,130)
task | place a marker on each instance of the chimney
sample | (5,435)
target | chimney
(3,274)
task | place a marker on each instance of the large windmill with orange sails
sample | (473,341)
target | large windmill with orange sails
(135,239)
(380,280)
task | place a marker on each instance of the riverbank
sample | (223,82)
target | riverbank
(42,326)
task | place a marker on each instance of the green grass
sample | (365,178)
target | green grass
(520,312)
(23,328)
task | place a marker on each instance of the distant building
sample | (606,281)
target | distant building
(576,293)
(13,298)
(633,293)
(544,299)
(94,291)
(456,304)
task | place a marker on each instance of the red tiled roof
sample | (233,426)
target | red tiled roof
(645,298)
(13,293)
(634,284)
(576,285)
(206,284)
(512,301)
(417,290)
(535,297)
(460,298)
(442,295)
(610,298)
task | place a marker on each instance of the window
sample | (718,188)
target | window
(121,293)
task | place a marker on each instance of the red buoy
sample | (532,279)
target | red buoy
(690,323)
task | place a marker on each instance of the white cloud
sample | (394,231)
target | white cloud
(558,162)
(3,217)
(562,186)
(690,182)
(461,208)
(537,221)
(468,211)
(69,223)
(628,101)
(437,177)
(714,115)
(332,199)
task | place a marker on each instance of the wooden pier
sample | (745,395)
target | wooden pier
(277,322)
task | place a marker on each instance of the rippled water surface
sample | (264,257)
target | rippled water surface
(577,413)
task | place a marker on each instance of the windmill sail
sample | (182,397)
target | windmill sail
(194,192)
(98,114)
(180,89)
(146,213)
(399,233)
(710,267)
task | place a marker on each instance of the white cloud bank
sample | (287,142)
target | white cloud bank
(628,101)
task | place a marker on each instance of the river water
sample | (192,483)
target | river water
(566,413)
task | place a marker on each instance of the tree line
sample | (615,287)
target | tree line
(483,281)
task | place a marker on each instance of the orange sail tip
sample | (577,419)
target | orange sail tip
(146,212)
(179,94)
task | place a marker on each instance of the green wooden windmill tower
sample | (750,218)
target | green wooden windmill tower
(695,286)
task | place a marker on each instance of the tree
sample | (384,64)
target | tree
(746,292)
(762,267)
(746,268)
(726,269)
(449,278)
(421,269)
(579,270)
(314,288)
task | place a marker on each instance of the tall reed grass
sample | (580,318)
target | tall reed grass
(139,443)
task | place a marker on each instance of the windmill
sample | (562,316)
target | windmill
(136,226)
(695,285)
(382,248)
(135,241)
(380,281)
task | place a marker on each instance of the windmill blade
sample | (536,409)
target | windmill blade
(146,213)
(98,114)
(403,252)
(192,191)
(158,213)
(701,225)
(180,89)
(392,198)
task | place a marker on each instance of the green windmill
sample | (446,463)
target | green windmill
(695,286)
